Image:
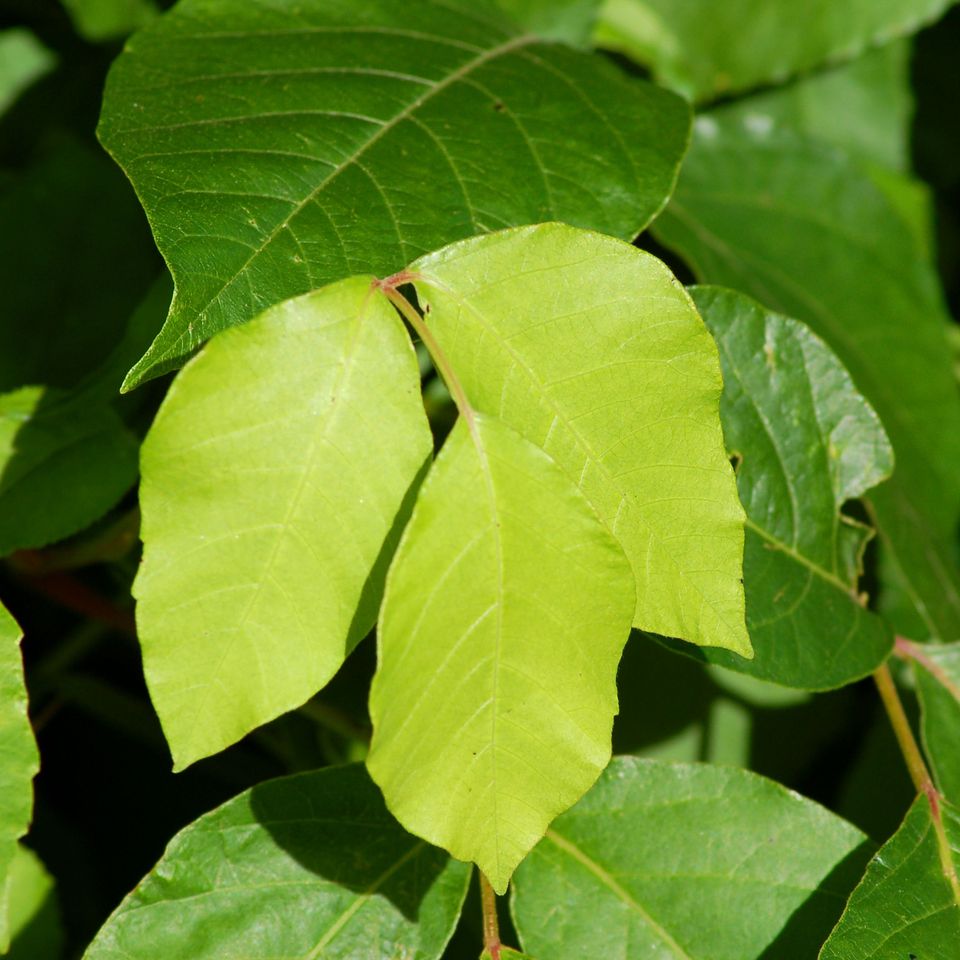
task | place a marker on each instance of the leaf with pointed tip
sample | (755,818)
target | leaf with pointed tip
(65,460)
(807,443)
(687,862)
(19,761)
(908,903)
(266,534)
(277,148)
(937,671)
(705,49)
(806,231)
(593,351)
(505,613)
(305,866)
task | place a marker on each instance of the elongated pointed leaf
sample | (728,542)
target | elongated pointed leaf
(803,229)
(806,443)
(937,670)
(278,147)
(306,866)
(266,532)
(506,610)
(19,761)
(686,862)
(592,350)
(64,461)
(908,903)
(703,48)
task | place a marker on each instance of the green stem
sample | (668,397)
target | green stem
(440,361)
(491,928)
(919,773)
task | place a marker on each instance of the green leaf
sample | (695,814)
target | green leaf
(570,21)
(23,59)
(803,229)
(277,148)
(36,932)
(304,866)
(506,953)
(592,350)
(807,443)
(19,761)
(64,462)
(704,49)
(864,106)
(506,610)
(686,861)
(937,671)
(267,526)
(908,903)
(98,20)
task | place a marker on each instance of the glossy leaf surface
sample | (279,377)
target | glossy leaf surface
(686,862)
(906,903)
(807,232)
(704,49)
(19,761)
(306,866)
(266,533)
(806,443)
(937,671)
(505,613)
(593,351)
(276,149)
(64,462)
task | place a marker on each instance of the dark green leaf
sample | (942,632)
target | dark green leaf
(703,48)
(803,229)
(806,443)
(592,350)
(908,903)
(19,761)
(64,462)
(267,527)
(505,614)
(938,686)
(277,147)
(306,866)
(687,862)
(109,19)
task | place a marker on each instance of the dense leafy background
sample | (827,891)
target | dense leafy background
(800,195)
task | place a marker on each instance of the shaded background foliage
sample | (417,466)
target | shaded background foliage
(85,290)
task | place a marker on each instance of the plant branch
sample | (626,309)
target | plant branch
(491,928)
(917,768)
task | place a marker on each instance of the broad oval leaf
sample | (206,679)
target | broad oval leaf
(306,866)
(278,147)
(266,532)
(593,351)
(937,671)
(908,903)
(65,460)
(686,862)
(806,443)
(505,613)
(19,760)
(704,49)
(809,233)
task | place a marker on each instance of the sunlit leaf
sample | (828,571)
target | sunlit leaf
(592,350)
(506,610)
(267,527)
